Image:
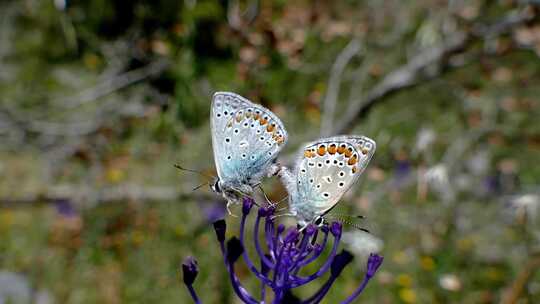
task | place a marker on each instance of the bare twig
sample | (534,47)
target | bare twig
(113,84)
(84,195)
(413,72)
(513,293)
(334,84)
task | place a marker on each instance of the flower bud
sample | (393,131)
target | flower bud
(190,270)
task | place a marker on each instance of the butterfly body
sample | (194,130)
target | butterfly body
(325,170)
(246,140)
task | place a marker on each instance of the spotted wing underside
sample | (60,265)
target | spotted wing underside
(246,138)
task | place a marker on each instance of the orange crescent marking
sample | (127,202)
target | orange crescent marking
(321,150)
(270,127)
(354,169)
(348,152)
(352,161)
(341,149)
(332,149)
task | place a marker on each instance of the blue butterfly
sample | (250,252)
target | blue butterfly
(246,139)
(324,171)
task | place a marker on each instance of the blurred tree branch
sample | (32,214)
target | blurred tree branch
(513,293)
(84,195)
(115,83)
(334,84)
(414,71)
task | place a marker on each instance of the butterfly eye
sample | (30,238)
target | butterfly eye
(341,184)
(218,114)
(341,173)
(229,157)
(319,221)
(225,113)
(319,165)
(227,139)
(326,194)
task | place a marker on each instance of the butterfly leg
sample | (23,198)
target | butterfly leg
(283,214)
(273,170)
(229,203)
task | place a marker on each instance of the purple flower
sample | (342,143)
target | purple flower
(214,211)
(282,253)
(65,208)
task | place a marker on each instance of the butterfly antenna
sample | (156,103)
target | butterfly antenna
(199,186)
(177,166)
(343,215)
(347,222)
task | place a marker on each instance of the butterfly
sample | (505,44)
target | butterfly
(246,140)
(324,171)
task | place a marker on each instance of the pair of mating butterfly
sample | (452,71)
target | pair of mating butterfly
(247,139)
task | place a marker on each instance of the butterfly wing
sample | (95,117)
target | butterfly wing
(246,138)
(326,169)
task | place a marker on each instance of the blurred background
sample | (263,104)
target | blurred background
(99,99)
